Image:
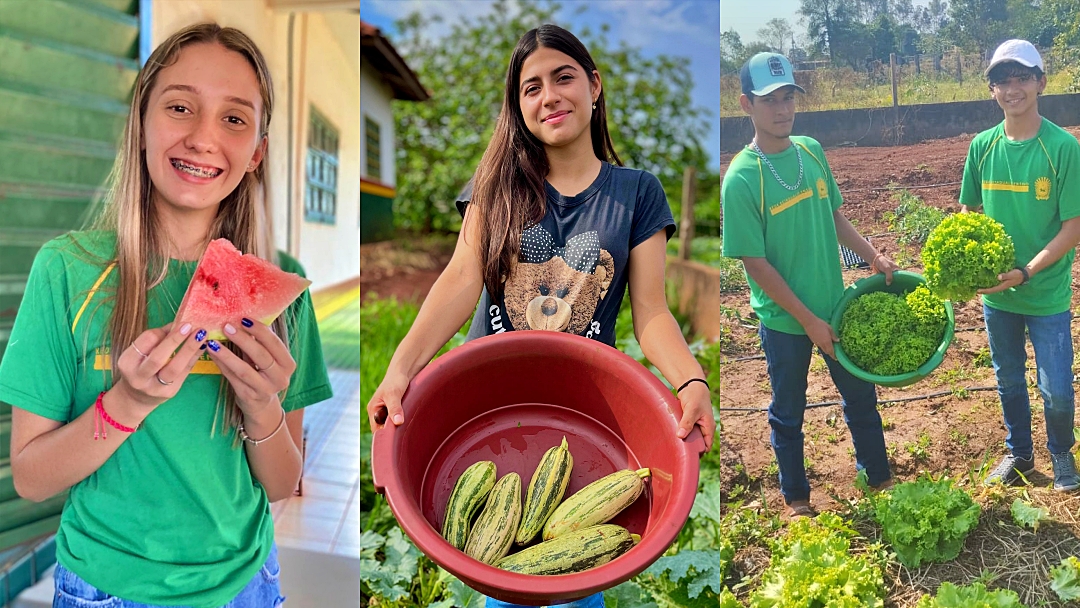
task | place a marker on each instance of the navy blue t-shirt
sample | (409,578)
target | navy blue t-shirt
(571,273)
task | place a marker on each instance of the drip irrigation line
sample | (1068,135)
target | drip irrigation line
(970,389)
(888,188)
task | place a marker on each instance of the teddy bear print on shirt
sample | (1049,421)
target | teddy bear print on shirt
(557,288)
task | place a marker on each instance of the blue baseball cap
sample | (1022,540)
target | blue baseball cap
(765,72)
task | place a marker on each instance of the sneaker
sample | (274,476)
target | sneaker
(1066,478)
(1011,469)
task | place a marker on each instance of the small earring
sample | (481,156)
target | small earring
(594,106)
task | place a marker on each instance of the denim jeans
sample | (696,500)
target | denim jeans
(788,360)
(593,601)
(1052,340)
(264,591)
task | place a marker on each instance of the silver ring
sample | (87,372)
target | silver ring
(144,355)
(263,369)
(163,383)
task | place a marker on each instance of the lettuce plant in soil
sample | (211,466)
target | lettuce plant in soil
(926,520)
(970,596)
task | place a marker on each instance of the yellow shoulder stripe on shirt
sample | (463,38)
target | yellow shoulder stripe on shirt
(987,153)
(1048,159)
(812,155)
(89,296)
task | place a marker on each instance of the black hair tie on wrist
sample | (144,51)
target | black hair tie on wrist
(1024,272)
(687,383)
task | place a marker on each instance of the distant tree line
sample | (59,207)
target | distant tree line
(851,32)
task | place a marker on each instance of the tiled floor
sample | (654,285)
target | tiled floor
(327,517)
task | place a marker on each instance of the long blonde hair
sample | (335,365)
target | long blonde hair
(142,252)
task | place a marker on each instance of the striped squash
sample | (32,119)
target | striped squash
(469,494)
(597,502)
(574,552)
(493,533)
(546,491)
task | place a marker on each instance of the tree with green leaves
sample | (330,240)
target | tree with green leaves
(776,32)
(653,123)
(977,25)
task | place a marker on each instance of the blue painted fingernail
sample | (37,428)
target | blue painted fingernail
(247,322)
(214,346)
(200,336)
(203,347)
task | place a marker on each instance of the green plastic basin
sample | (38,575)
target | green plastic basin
(903,282)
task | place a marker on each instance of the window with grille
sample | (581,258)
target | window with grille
(320,201)
(373,150)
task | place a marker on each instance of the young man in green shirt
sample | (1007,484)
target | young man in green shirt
(1025,173)
(782,219)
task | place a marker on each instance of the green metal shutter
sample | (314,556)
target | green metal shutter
(66,73)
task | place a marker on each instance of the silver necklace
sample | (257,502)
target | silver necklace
(798,155)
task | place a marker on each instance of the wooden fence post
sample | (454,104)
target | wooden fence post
(686,223)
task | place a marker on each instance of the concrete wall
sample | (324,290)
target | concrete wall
(878,127)
(375,98)
(697,287)
(325,74)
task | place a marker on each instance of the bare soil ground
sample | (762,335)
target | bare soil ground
(958,433)
(404,268)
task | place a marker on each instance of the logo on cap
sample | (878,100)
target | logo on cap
(776,67)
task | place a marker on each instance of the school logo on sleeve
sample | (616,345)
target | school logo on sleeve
(1042,189)
(822,189)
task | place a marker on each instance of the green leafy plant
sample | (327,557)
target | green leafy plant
(964,253)
(913,219)
(926,520)
(1065,579)
(887,335)
(813,565)
(970,596)
(1027,515)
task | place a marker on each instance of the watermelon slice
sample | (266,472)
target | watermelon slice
(229,285)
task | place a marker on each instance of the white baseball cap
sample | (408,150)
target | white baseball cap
(1020,51)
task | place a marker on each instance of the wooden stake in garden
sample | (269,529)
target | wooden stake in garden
(687,219)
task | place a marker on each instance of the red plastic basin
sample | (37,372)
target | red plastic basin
(508,398)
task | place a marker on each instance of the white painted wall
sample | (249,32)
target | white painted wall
(332,86)
(375,97)
(321,72)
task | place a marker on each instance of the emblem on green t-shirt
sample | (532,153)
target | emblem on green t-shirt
(1042,189)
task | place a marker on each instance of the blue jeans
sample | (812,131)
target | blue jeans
(788,360)
(593,601)
(264,591)
(1052,340)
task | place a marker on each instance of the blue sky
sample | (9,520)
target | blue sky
(748,16)
(685,28)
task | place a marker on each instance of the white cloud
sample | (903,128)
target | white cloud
(451,11)
(645,19)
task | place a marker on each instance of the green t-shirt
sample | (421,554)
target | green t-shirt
(174,516)
(1031,187)
(794,231)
